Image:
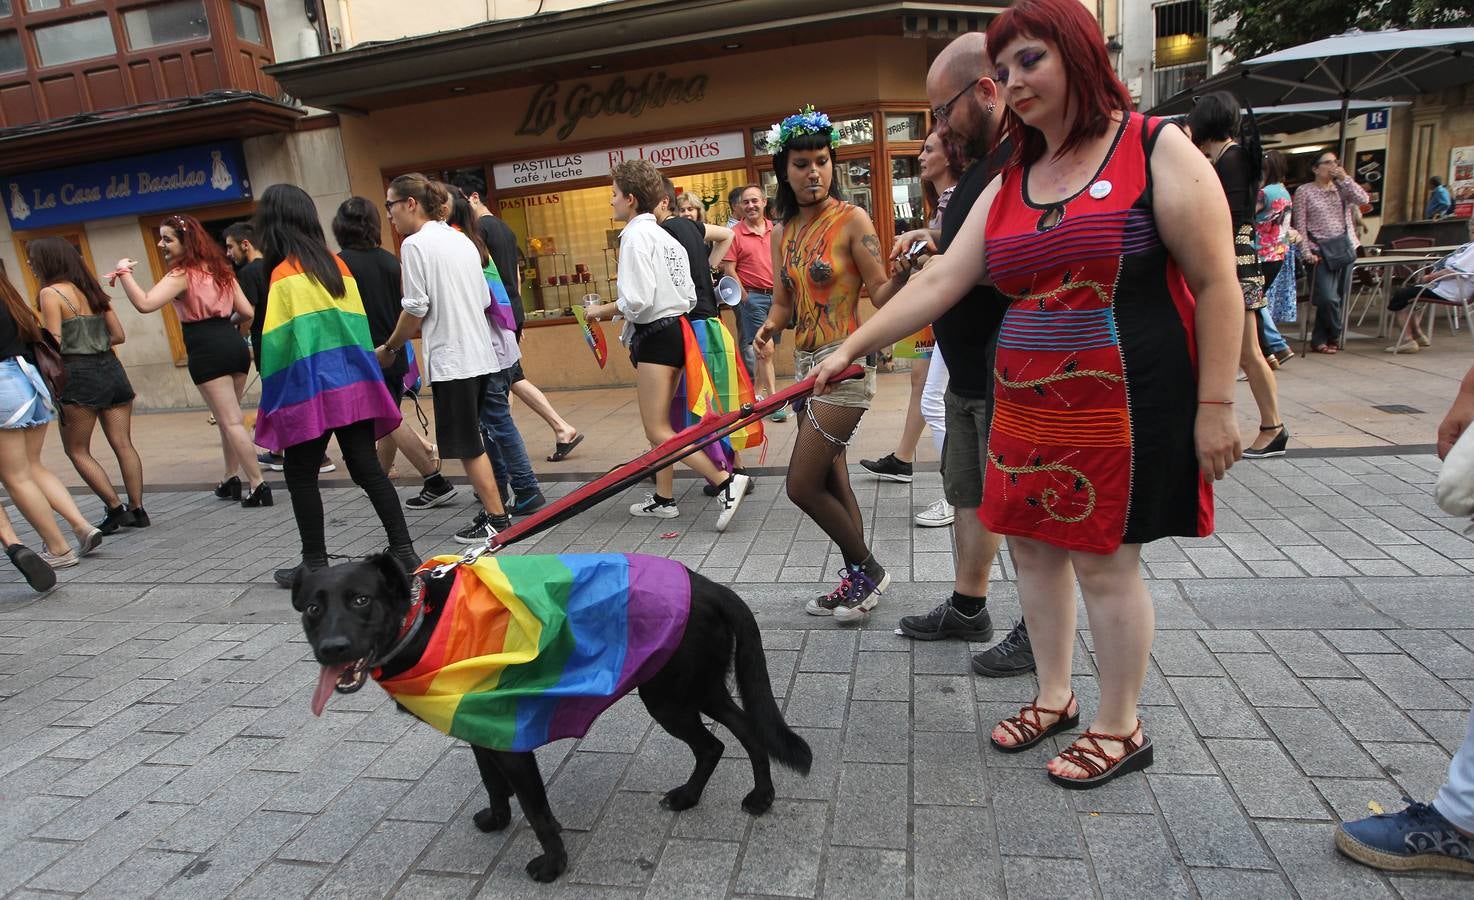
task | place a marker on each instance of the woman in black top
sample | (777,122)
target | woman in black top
(26,407)
(356,228)
(1213,123)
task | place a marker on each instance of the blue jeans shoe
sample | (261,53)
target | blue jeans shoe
(1419,837)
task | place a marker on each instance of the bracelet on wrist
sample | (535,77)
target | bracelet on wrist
(1216,402)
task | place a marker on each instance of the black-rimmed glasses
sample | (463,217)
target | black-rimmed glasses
(940,113)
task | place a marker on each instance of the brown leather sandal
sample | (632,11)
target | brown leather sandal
(1087,753)
(1028,729)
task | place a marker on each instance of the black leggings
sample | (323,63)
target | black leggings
(356,441)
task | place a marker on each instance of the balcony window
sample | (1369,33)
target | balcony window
(4,8)
(41,5)
(247,22)
(12,57)
(1181,33)
(68,42)
(166,23)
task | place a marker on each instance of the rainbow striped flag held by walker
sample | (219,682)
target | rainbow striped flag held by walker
(318,370)
(715,381)
(531,649)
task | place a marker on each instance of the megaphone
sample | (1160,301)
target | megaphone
(729,290)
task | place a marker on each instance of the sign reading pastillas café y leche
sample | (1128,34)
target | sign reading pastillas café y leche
(598,163)
(155,182)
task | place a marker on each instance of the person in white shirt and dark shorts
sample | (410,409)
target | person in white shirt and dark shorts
(445,298)
(655,293)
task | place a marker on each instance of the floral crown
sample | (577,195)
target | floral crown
(805,121)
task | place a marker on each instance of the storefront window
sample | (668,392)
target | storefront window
(905,126)
(853,176)
(570,241)
(166,23)
(907,200)
(247,22)
(68,42)
(41,5)
(12,57)
(4,8)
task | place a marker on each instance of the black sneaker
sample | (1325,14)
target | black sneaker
(888,467)
(116,518)
(483,527)
(1010,656)
(429,497)
(139,518)
(946,622)
(527,503)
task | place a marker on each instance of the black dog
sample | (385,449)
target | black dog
(353,614)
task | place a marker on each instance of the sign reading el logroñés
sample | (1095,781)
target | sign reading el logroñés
(150,183)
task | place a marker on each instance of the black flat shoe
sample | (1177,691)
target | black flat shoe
(261,496)
(229,489)
(38,574)
(139,520)
(116,518)
(1275,447)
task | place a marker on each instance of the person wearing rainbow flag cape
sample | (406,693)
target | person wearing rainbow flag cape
(319,378)
(655,294)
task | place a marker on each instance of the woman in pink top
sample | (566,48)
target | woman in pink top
(203,289)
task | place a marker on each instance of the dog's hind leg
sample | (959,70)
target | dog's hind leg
(498,811)
(520,771)
(683,720)
(730,715)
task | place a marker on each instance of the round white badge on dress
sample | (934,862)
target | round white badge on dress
(1100,189)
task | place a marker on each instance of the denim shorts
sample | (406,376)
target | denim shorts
(24,400)
(853,392)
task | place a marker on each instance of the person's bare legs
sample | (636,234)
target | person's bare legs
(976,548)
(479,473)
(222,396)
(655,387)
(406,440)
(25,493)
(911,430)
(766,383)
(57,496)
(1046,592)
(117,427)
(538,402)
(1122,621)
(1262,383)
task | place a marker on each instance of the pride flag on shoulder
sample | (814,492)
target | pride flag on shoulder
(530,649)
(318,370)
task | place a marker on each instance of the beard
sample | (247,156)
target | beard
(977,140)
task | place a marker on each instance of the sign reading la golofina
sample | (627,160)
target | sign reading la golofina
(618,98)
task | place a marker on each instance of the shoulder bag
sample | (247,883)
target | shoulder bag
(1337,252)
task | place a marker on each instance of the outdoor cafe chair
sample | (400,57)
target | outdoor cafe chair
(1433,300)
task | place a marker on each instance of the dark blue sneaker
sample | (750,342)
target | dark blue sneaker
(526,503)
(1419,837)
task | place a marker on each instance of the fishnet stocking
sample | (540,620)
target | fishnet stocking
(819,480)
(77,431)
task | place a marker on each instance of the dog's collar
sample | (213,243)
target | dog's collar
(409,626)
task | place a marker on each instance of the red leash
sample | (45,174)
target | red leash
(690,440)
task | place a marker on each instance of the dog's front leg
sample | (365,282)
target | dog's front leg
(520,770)
(498,811)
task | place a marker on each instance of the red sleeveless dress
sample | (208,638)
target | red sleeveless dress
(1095,377)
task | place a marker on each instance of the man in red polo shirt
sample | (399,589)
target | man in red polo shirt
(750,261)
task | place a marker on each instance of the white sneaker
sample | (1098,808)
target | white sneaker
(938,515)
(730,498)
(654,510)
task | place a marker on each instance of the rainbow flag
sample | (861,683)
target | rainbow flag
(500,310)
(531,649)
(318,370)
(714,381)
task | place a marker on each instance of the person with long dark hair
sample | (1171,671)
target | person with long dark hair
(1214,125)
(1111,412)
(26,407)
(201,284)
(826,253)
(79,313)
(319,378)
(1275,243)
(656,291)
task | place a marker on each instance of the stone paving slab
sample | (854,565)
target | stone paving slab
(157,740)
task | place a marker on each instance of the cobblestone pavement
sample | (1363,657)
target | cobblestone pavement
(1314,657)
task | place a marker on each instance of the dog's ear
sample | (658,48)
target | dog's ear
(299,596)
(393,575)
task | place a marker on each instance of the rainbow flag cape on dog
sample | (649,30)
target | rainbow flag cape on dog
(318,370)
(531,649)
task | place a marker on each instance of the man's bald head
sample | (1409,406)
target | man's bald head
(961,62)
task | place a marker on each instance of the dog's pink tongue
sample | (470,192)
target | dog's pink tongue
(326,681)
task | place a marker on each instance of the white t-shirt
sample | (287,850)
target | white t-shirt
(443,285)
(1461,286)
(654,273)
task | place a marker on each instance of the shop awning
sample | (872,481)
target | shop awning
(609,37)
(105,134)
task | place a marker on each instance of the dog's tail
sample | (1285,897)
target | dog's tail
(751,666)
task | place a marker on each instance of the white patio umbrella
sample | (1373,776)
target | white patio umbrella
(1292,117)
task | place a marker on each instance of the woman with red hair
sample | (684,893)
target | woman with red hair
(201,284)
(1113,381)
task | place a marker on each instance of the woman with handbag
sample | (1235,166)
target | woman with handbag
(1323,216)
(26,406)
(80,316)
